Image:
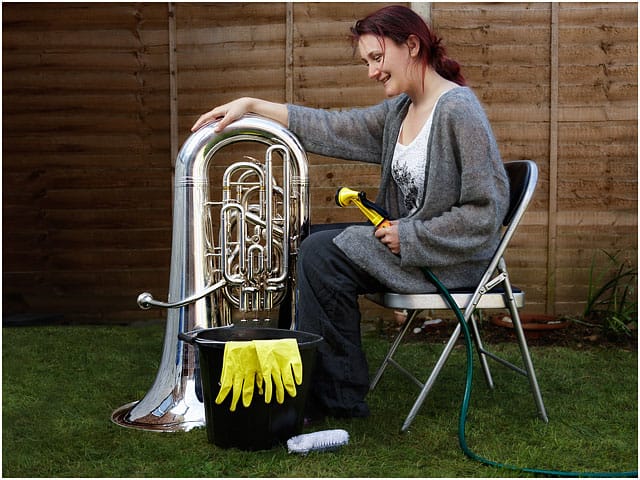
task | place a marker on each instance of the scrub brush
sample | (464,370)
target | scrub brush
(322,441)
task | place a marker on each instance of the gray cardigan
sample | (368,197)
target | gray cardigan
(456,228)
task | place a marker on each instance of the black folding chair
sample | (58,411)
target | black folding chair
(493,292)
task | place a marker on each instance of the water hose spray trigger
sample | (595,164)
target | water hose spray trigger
(376,214)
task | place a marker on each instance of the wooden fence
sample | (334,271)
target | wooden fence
(98,98)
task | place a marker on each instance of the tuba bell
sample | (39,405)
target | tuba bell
(243,275)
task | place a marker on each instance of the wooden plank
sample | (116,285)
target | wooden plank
(86,282)
(289,57)
(173,82)
(28,241)
(87,124)
(157,216)
(553,166)
(74,61)
(46,16)
(456,15)
(247,36)
(603,15)
(193,16)
(218,80)
(596,54)
(87,103)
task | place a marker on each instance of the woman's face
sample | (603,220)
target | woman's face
(388,63)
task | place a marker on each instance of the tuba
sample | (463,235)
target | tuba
(244,275)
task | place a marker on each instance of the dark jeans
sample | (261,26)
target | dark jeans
(328,288)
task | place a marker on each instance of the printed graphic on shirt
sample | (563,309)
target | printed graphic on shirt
(409,181)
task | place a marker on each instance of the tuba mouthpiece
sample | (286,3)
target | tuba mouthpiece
(144,300)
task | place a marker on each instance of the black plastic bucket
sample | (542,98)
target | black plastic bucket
(260,426)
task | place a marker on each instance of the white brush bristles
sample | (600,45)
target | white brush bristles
(322,441)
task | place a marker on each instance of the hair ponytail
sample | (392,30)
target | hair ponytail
(397,23)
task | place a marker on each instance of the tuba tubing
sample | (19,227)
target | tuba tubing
(146,300)
(174,401)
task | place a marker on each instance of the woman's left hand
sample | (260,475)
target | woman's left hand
(389,236)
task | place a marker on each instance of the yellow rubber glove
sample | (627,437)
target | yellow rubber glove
(279,362)
(240,371)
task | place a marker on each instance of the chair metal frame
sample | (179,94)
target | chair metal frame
(494,291)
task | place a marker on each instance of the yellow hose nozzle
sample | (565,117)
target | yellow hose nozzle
(345,196)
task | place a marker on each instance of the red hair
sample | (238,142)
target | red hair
(397,23)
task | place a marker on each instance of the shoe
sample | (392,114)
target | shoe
(313,414)
(312,421)
(360,410)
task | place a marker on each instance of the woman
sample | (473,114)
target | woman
(442,179)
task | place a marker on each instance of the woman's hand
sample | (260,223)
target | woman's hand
(232,111)
(389,236)
(227,113)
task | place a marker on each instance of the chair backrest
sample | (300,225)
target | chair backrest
(523,177)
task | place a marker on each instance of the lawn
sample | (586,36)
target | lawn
(61,383)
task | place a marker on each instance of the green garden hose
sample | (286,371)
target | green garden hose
(467,396)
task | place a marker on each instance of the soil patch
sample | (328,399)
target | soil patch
(575,335)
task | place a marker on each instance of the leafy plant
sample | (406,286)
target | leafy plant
(611,299)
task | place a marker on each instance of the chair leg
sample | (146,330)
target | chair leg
(426,387)
(480,347)
(528,365)
(524,351)
(432,378)
(396,343)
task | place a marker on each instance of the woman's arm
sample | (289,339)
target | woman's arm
(354,134)
(229,112)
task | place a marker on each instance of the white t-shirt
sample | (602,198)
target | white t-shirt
(409,165)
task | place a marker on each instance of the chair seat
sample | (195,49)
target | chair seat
(435,301)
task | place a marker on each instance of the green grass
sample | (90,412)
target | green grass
(60,385)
